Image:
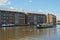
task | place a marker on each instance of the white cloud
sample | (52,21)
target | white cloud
(30,1)
(58,16)
(44,11)
(11,7)
(40,11)
(9,3)
(2,2)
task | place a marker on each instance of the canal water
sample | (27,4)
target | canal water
(29,33)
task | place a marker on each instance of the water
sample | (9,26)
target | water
(29,33)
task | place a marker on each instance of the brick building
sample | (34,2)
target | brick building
(21,17)
(12,17)
(51,18)
(34,18)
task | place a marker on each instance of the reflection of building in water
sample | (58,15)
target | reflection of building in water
(22,32)
(51,31)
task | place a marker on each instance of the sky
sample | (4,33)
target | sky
(44,6)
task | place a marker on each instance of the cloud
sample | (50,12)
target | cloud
(3,2)
(44,11)
(40,10)
(9,3)
(30,1)
(11,7)
(58,16)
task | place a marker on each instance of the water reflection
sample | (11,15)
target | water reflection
(28,33)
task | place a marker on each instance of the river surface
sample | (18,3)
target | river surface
(29,33)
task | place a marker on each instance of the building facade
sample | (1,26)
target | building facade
(11,17)
(18,17)
(51,19)
(34,18)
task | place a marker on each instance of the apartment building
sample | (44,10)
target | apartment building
(21,17)
(51,18)
(34,18)
(12,17)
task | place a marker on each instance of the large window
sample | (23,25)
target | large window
(41,19)
(35,18)
(5,17)
(16,17)
(6,14)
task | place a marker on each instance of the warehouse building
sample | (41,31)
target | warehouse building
(51,18)
(21,17)
(34,18)
(12,17)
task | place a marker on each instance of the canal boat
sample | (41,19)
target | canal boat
(44,25)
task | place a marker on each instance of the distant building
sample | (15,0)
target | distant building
(51,18)
(58,22)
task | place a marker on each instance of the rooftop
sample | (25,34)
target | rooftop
(17,10)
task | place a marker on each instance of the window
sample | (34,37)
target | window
(35,17)
(16,18)
(6,15)
(5,21)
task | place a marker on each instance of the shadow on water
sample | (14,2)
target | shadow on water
(27,33)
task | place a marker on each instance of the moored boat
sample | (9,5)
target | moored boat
(44,25)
